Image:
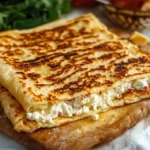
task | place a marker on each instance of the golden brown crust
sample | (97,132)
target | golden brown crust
(48,57)
(97,133)
(71,72)
(81,134)
(15,112)
(72,60)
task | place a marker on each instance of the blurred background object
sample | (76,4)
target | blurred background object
(129,14)
(146,6)
(21,14)
(83,3)
(129,4)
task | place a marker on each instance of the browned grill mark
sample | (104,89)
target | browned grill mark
(44,42)
(120,68)
(13,53)
(26,65)
(142,60)
(139,60)
(110,46)
(58,80)
(65,69)
(2,89)
(118,58)
(134,61)
(85,74)
(19,109)
(34,76)
(70,55)
(106,56)
(54,65)
(52,97)
(136,74)
(120,71)
(73,87)
(50,33)
(83,82)
(21,75)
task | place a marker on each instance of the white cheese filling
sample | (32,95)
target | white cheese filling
(86,103)
(95,117)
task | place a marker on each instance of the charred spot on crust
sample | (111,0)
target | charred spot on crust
(33,76)
(120,68)
(2,89)
(23,66)
(132,61)
(108,82)
(102,68)
(54,65)
(21,75)
(106,56)
(70,54)
(109,46)
(142,60)
(83,82)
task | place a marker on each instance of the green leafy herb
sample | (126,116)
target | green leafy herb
(21,14)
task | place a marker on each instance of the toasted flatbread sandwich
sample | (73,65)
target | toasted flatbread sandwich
(68,70)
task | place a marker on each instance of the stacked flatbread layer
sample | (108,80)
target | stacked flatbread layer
(68,70)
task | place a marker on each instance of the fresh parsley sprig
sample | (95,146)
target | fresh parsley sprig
(21,14)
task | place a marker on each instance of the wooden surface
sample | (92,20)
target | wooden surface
(82,134)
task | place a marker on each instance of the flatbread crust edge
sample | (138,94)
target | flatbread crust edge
(81,134)
(17,115)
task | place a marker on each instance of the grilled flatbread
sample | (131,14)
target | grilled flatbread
(81,134)
(68,70)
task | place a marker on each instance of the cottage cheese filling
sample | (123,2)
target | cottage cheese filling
(86,103)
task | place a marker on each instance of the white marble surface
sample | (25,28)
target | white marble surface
(137,138)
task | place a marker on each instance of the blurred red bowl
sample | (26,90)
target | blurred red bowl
(126,18)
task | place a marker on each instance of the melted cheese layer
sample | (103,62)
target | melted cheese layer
(84,104)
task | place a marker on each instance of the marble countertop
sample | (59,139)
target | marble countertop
(129,140)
